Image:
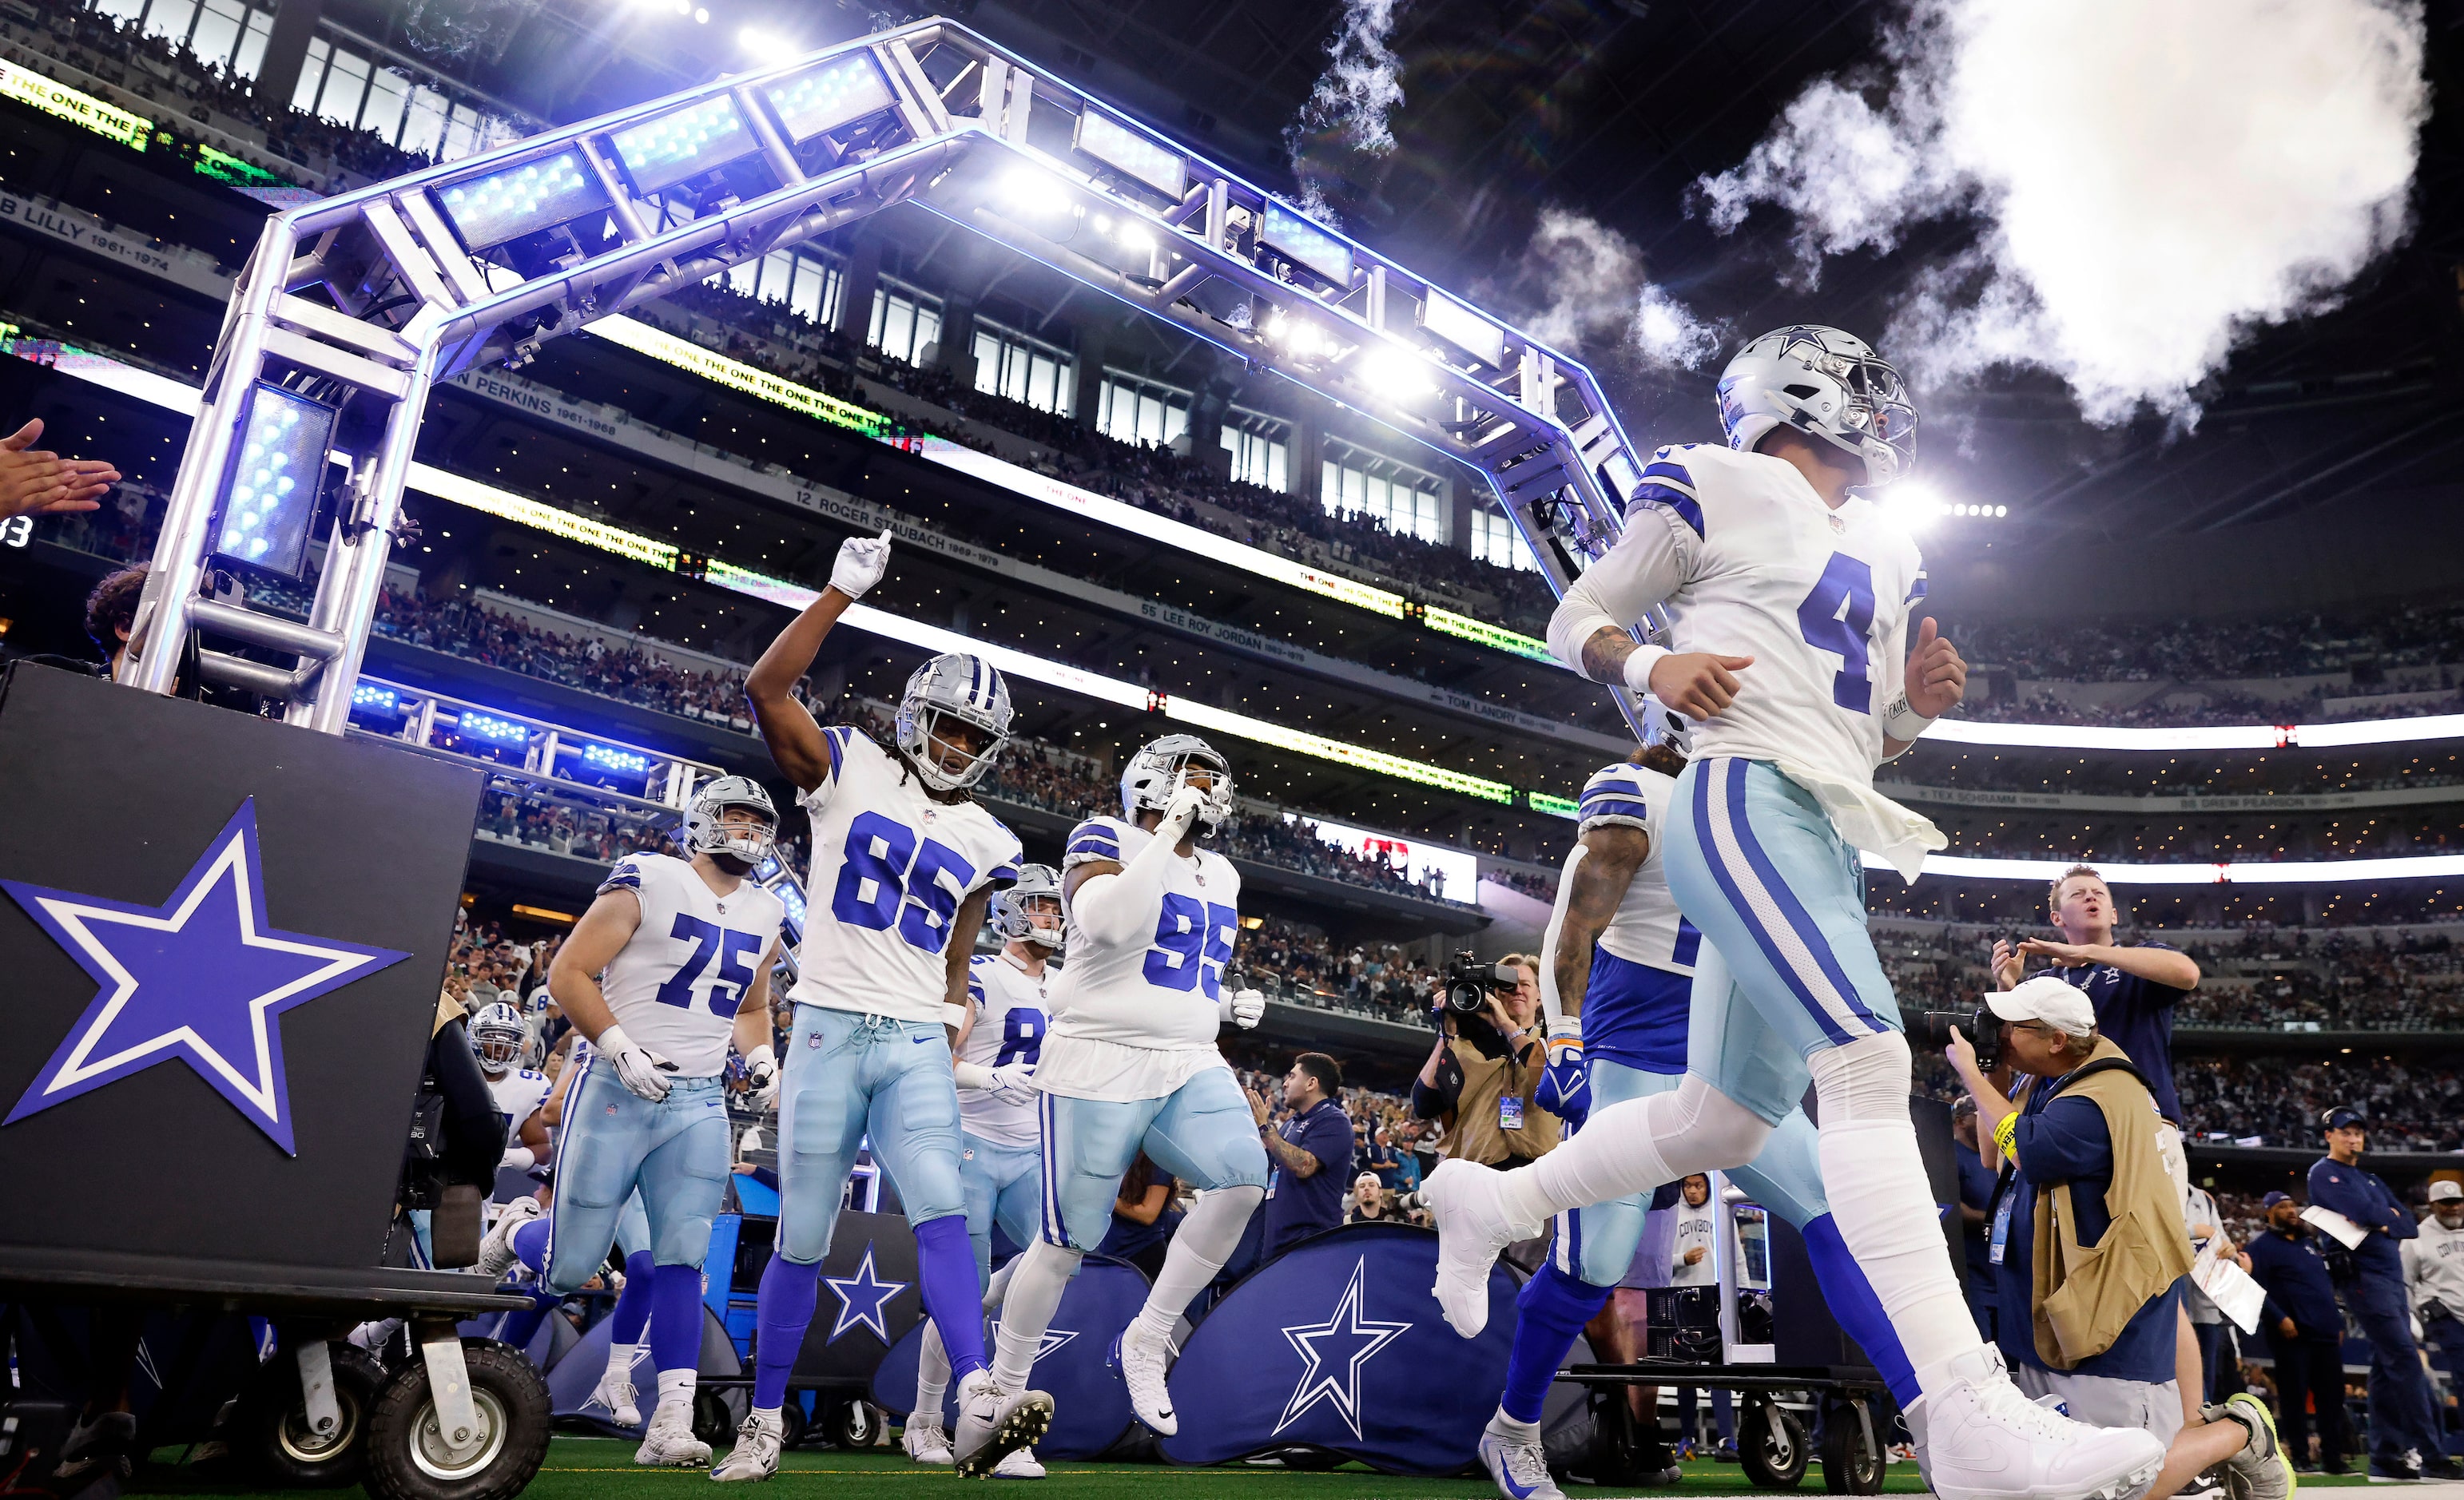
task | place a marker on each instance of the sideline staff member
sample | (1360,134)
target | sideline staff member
(2305,1335)
(1308,1154)
(2404,1426)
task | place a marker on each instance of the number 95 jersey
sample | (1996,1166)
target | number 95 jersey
(891,868)
(1159,991)
(675,985)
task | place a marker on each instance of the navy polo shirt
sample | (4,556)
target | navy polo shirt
(2294,1274)
(2061,1141)
(2138,1015)
(1976,1191)
(1300,1207)
(2370,1203)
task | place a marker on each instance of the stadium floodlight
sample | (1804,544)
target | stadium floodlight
(824,98)
(1443,317)
(625,762)
(508,203)
(1294,234)
(271,496)
(375,699)
(703,137)
(1393,373)
(476,726)
(1115,144)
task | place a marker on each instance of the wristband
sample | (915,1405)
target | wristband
(972,1076)
(2002,1134)
(953,1016)
(612,1040)
(1904,724)
(1637,666)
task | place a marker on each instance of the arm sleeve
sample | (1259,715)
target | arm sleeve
(1431,1100)
(1114,909)
(1650,562)
(2067,1138)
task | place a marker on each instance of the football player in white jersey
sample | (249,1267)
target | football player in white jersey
(499,1037)
(905,863)
(1131,1062)
(1792,647)
(999,1163)
(616,1391)
(668,965)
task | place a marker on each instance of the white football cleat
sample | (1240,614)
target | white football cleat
(1019,1464)
(618,1395)
(1985,1440)
(496,1252)
(1144,1359)
(1516,1462)
(670,1442)
(926,1442)
(994,1423)
(756,1456)
(1472,1227)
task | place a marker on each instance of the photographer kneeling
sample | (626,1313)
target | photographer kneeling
(1487,1062)
(2087,1234)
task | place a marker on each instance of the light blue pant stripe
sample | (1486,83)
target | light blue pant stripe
(1842,992)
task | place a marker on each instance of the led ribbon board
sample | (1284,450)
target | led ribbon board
(57,99)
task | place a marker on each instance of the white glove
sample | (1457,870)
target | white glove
(1178,813)
(1242,1008)
(1013,1083)
(861,561)
(637,1067)
(762,1072)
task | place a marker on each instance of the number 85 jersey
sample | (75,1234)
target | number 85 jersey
(676,984)
(891,868)
(1159,991)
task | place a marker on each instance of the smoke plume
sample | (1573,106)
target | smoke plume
(1586,285)
(1362,85)
(2152,184)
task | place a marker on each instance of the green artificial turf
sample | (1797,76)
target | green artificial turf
(601,1468)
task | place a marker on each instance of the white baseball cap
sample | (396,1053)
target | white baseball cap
(2445,1190)
(2055,1002)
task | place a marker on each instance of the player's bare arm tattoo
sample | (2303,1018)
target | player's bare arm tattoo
(1604,654)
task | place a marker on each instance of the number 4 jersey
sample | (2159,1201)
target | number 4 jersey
(1139,1019)
(676,986)
(891,868)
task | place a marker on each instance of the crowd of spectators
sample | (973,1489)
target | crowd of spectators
(2278,1101)
(2193,650)
(1296,962)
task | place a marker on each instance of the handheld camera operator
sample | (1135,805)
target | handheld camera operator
(1488,1063)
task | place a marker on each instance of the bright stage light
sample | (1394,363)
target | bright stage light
(514,201)
(1393,373)
(476,726)
(1441,317)
(1912,505)
(699,139)
(1118,147)
(827,96)
(1296,235)
(270,495)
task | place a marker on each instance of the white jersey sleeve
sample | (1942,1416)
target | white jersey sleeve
(1011,1020)
(892,866)
(676,986)
(1159,989)
(1648,928)
(518,1094)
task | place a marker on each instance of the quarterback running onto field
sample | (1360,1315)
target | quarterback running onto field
(670,963)
(1793,647)
(1131,1062)
(905,862)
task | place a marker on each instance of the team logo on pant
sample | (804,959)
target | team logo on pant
(863,1299)
(1332,1352)
(203,978)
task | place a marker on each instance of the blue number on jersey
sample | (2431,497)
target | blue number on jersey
(1192,944)
(1022,1039)
(906,889)
(1834,618)
(736,952)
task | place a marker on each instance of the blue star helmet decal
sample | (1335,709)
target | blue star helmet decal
(863,1299)
(203,978)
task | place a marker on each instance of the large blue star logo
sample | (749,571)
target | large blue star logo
(202,978)
(862,1299)
(1332,1352)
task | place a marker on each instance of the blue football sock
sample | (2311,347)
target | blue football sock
(952,1292)
(675,1319)
(1549,1312)
(1857,1310)
(634,1303)
(785,1310)
(530,1243)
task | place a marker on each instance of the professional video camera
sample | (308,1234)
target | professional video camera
(1982,1028)
(1469,983)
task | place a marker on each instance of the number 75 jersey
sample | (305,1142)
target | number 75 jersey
(1159,991)
(675,985)
(891,868)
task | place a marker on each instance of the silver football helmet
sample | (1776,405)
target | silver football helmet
(498,1036)
(965,687)
(705,832)
(1018,921)
(1160,766)
(1826,384)
(1663,725)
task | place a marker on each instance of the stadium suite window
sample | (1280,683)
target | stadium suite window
(1136,411)
(1495,540)
(343,86)
(808,284)
(1411,502)
(224,33)
(1260,447)
(1023,369)
(906,324)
